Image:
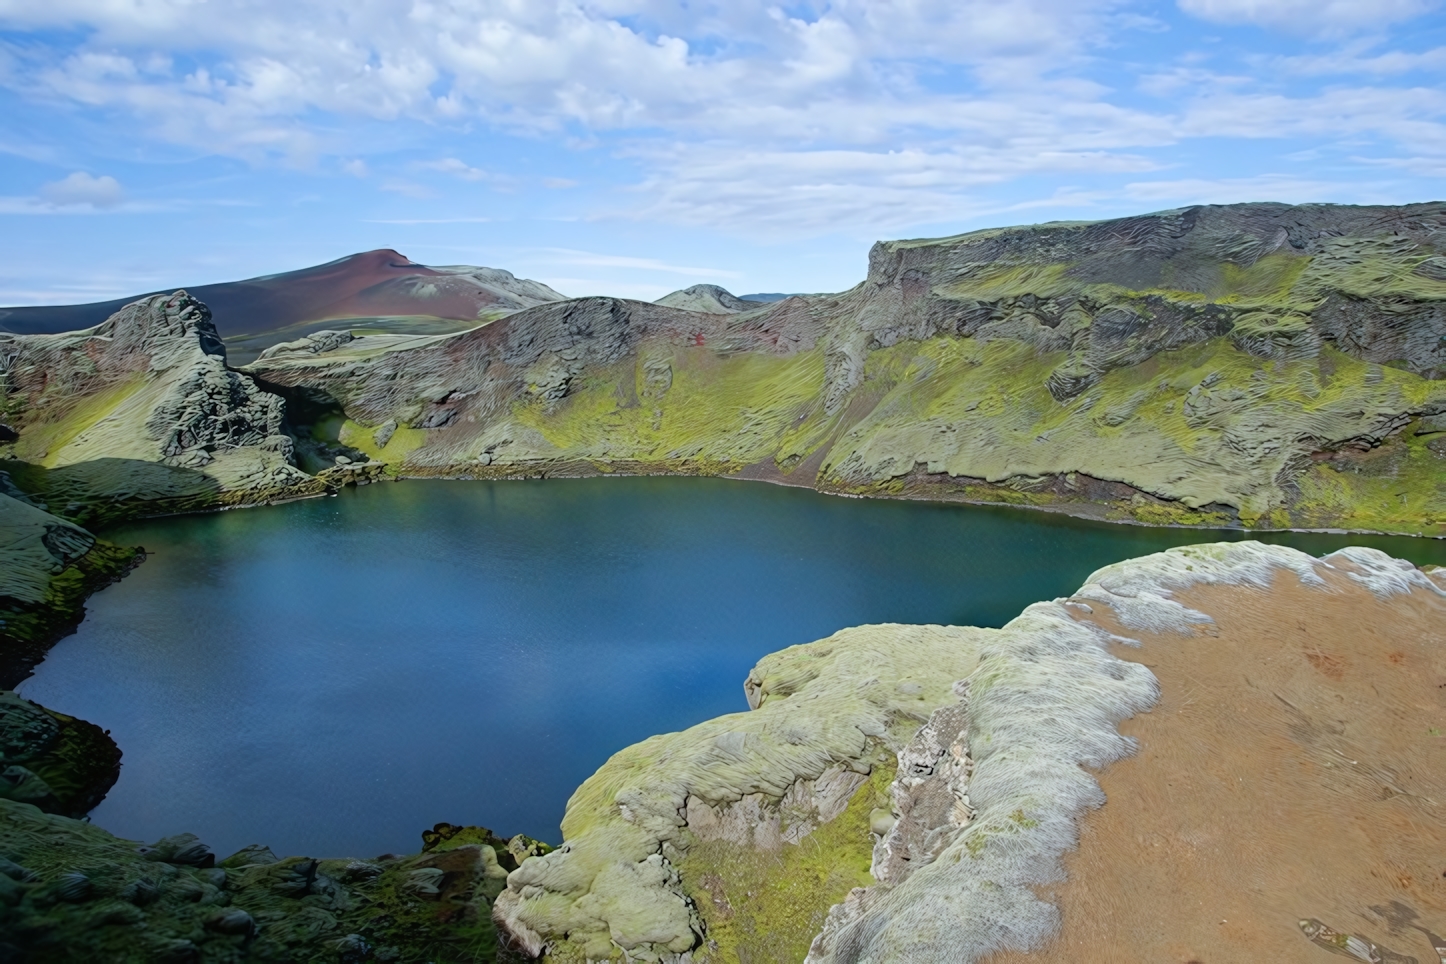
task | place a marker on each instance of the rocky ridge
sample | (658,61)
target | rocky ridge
(148,391)
(1259,365)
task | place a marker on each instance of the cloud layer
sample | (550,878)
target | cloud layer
(748,116)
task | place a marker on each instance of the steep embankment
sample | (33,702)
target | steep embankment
(1303,803)
(1262,364)
(48,567)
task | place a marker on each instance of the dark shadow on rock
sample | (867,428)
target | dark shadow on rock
(109,490)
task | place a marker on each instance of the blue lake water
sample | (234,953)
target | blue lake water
(331,677)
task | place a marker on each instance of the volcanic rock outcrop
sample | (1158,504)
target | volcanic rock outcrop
(48,566)
(1258,364)
(141,415)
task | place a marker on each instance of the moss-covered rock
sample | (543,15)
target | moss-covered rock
(141,415)
(58,763)
(48,566)
(669,824)
(69,891)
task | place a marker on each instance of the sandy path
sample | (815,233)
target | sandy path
(1294,769)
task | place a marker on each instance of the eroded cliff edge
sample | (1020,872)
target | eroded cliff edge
(992,740)
(1258,364)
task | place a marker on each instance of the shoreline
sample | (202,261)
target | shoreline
(1065,510)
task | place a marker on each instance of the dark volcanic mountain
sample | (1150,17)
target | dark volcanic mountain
(380,284)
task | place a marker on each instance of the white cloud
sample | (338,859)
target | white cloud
(801,193)
(82,189)
(451,165)
(854,116)
(1357,59)
(745,68)
(1310,17)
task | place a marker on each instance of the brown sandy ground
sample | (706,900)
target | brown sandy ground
(1294,770)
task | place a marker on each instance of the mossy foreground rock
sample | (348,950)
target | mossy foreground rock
(56,762)
(928,781)
(48,566)
(70,892)
(1256,364)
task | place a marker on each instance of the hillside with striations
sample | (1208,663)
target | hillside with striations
(1260,364)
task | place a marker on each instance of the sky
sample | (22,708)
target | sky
(633,147)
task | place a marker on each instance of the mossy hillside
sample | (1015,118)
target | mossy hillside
(1270,281)
(1389,267)
(1398,487)
(53,423)
(401,441)
(991,282)
(1076,344)
(733,409)
(1201,425)
(762,905)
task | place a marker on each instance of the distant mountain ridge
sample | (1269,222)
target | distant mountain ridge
(373,284)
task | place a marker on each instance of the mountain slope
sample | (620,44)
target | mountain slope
(708,298)
(368,287)
(1259,364)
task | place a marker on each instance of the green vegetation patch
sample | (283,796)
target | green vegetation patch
(1269,281)
(733,408)
(767,906)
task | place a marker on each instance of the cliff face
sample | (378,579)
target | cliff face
(1272,365)
(141,414)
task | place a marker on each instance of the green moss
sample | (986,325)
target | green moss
(403,442)
(768,906)
(28,630)
(727,409)
(135,907)
(1397,487)
(81,768)
(48,429)
(1012,280)
(1270,280)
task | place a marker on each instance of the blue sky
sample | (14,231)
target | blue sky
(633,147)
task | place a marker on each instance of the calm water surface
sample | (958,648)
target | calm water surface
(331,677)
